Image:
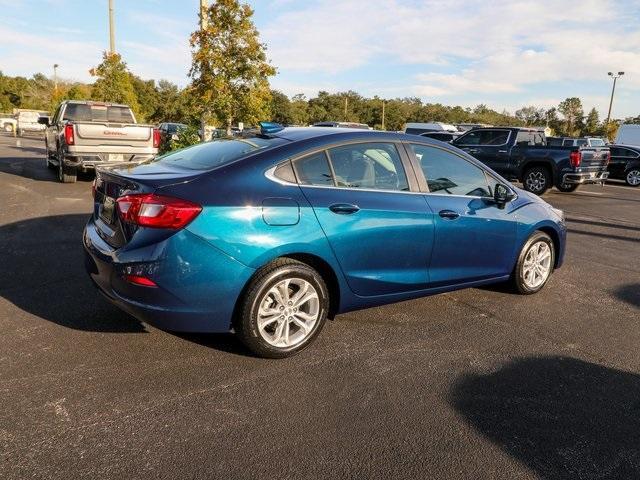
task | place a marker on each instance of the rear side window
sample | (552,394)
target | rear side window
(314,170)
(205,156)
(368,165)
(79,112)
(447,173)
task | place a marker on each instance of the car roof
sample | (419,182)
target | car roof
(296,134)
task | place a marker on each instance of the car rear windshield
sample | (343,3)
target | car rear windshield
(205,156)
(81,112)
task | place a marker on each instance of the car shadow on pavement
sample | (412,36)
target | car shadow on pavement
(561,417)
(42,265)
(629,293)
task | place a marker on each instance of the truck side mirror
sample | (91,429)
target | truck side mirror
(44,121)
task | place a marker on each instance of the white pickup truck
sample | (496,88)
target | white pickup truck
(83,134)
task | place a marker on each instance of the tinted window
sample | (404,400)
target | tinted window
(484,137)
(79,112)
(285,172)
(204,156)
(314,170)
(623,152)
(581,143)
(597,142)
(524,138)
(368,165)
(446,172)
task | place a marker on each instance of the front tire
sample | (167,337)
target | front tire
(537,180)
(535,264)
(632,177)
(284,308)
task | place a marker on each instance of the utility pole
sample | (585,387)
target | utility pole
(55,78)
(204,6)
(613,90)
(112,30)
(383,114)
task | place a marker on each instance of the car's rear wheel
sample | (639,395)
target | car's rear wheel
(535,264)
(632,177)
(283,310)
(567,187)
(537,180)
(66,174)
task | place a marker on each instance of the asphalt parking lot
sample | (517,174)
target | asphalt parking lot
(478,383)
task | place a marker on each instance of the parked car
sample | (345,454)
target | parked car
(8,123)
(419,128)
(625,164)
(628,134)
(170,131)
(441,136)
(269,236)
(83,134)
(28,121)
(362,126)
(523,154)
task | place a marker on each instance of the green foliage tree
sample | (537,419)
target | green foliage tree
(299,110)
(571,110)
(229,69)
(531,116)
(592,123)
(114,82)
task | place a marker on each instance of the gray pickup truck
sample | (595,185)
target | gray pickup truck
(82,135)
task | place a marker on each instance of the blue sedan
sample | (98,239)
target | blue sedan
(269,235)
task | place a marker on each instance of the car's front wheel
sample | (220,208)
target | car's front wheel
(535,264)
(283,310)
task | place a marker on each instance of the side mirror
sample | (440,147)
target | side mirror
(502,195)
(43,120)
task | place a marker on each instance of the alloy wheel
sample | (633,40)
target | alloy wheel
(537,265)
(288,312)
(536,181)
(633,177)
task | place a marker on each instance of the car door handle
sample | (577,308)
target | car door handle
(473,150)
(502,151)
(449,214)
(344,208)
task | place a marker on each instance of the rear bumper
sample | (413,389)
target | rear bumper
(585,177)
(197,285)
(91,161)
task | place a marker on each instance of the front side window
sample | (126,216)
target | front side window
(374,166)
(484,137)
(447,173)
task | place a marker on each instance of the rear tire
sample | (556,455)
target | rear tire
(283,309)
(632,177)
(567,187)
(66,174)
(535,264)
(537,180)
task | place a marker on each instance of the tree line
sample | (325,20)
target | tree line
(229,84)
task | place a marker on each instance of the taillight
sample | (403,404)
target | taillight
(69,139)
(575,158)
(156,138)
(140,280)
(157,211)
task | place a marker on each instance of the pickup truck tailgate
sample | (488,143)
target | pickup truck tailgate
(102,134)
(594,157)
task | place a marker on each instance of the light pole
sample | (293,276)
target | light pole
(55,78)
(112,30)
(613,90)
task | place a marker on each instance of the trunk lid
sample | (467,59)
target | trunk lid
(101,134)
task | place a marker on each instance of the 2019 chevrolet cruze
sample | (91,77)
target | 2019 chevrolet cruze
(270,235)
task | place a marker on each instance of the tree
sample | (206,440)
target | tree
(114,82)
(229,69)
(299,110)
(571,110)
(531,115)
(592,124)
(280,108)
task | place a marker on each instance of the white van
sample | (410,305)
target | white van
(418,128)
(628,134)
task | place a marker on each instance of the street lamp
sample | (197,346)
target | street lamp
(613,90)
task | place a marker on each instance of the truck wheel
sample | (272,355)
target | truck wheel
(567,187)
(537,180)
(66,174)
(535,264)
(8,127)
(632,177)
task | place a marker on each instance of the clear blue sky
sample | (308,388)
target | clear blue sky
(502,53)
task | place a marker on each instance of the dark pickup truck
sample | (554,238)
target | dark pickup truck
(523,154)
